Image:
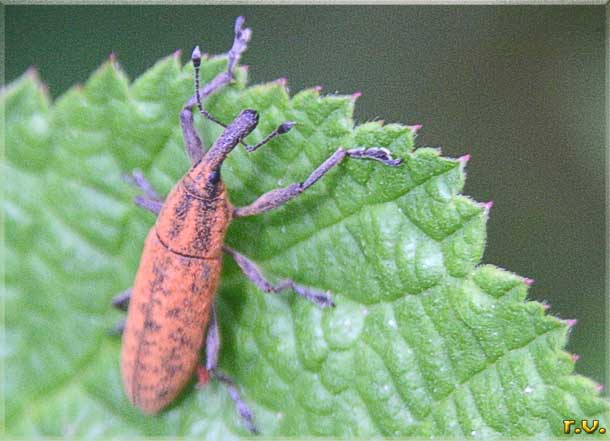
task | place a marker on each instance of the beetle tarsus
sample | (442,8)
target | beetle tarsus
(377,153)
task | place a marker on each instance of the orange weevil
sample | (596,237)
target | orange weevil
(171,304)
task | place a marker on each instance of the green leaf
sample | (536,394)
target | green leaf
(425,340)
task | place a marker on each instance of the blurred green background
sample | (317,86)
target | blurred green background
(521,88)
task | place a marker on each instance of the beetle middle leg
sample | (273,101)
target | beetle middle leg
(253,272)
(212,348)
(120,301)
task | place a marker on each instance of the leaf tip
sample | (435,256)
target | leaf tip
(415,128)
(44,87)
(464,159)
(32,72)
(546,306)
(528,281)
(282,82)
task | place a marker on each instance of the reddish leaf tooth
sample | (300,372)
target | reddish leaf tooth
(464,158)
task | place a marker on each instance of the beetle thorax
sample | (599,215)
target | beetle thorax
(196,215)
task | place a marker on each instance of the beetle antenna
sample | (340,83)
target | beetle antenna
(196,57)
(282,128)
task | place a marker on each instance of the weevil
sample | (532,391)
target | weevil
(171,304)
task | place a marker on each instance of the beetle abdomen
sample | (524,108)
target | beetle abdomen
(168,314)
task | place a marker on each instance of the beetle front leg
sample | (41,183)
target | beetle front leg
(194,146)
(253,272)
(279,197)
(212,348)
(151,200)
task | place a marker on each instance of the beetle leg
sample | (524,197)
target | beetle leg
(253,272)
(193,142)
(121,301)
(151,201)
(118,329)
(240,44)
(212,348)
(151,205)
(194,146)
(279,197)
(137,178)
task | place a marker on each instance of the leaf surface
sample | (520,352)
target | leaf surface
(425,340)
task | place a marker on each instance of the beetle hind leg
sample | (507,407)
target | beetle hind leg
(118,329)
(212,348)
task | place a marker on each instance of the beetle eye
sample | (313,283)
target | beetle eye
(214,177)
